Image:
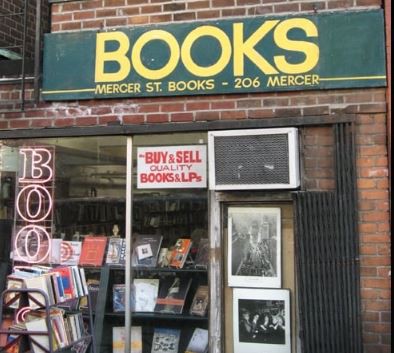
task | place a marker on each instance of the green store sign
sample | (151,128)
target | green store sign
(259,54)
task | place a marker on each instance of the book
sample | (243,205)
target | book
(13,282)
(145,250)
(83,280)
(77,281)
(36,299)
(118,339)
(12,340)
(93,250)
(180,252)
(56,251)
(70,251)
(39,325)
(116,253)
(165,340)
(57,286)
(202,256)
(163,258)
(93,286)
(118,297)
(146,291)
(200,301)
(67,281)
(198,342)
(36,321)
(5,325)
(172,294)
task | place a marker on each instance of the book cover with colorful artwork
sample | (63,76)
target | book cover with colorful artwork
(172,294)
(165,340)
(180,252)
(118,297)
(93,250)
(70,251)
(116,253)
(65,273)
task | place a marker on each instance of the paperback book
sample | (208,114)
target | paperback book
(13,282)
(116,253)
(56,248)
(36,321)
(93,250)
(38,340)
(180,252)
(199,341)
(36,299)
(172,294)
(70,251)
(93,286)
(118,297)
(118,339)
(67,281)
(145,250)
(165,340)
(146,291)
(200,301)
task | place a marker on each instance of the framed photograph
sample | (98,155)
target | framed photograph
(261,320)
(254,246)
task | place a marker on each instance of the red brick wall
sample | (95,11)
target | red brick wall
(387,6)
(369,106)
(374,229)
(11,28)
(80,15)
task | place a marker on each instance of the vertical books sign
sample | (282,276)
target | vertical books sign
(172,167)
(34,205)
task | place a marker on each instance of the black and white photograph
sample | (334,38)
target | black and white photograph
(261,320)
(254,246)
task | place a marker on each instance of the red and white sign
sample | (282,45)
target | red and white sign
(172,167)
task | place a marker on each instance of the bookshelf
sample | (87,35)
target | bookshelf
(105,317)
(172,217)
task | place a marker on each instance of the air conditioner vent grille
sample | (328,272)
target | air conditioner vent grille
(252,159)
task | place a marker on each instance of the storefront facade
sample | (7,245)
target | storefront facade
(128,83)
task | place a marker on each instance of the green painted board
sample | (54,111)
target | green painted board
(256,54)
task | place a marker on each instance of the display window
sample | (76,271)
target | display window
(133,213)
(178,264)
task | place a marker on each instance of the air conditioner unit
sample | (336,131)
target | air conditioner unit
(253,159)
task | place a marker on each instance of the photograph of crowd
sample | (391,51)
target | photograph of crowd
(254,246)
(261,320)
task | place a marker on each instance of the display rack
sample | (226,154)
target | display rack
(24,337)
(145,319)
(171,216)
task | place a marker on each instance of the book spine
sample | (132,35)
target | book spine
(83,280)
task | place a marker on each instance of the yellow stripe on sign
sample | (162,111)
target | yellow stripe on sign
(69,91)
(352,78)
